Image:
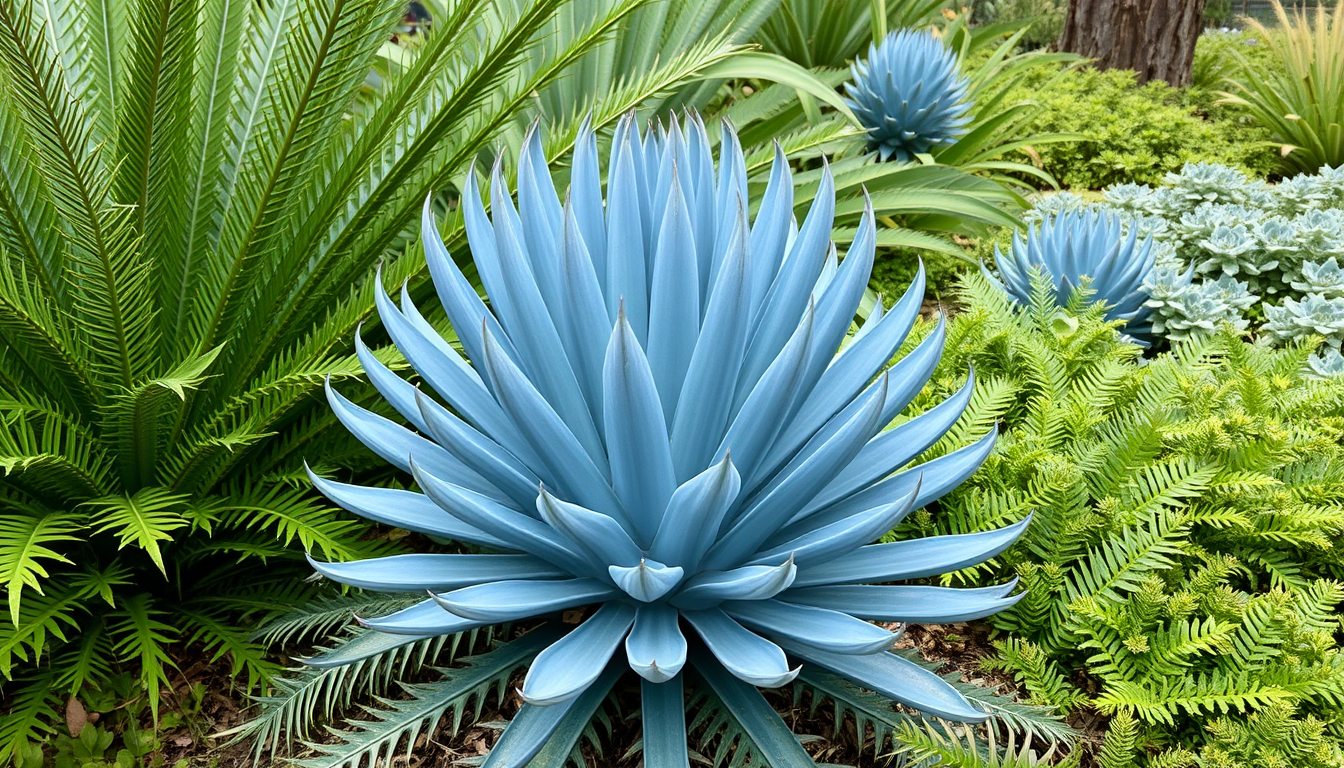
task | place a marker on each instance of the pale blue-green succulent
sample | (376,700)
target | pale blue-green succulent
(1078,246)
(1313,315)
(655,429)
(909,94)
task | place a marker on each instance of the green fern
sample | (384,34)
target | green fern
(1182,552)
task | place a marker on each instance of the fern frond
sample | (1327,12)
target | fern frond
(143,519)
(29,718)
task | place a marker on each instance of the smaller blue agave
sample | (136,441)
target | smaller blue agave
(909,94)
(1073,245)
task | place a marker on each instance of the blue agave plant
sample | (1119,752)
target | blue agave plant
(1073,245)
(910,95)
(655,428)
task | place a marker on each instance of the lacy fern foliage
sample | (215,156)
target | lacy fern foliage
(1185,518)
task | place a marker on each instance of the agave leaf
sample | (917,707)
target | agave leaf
(767,731)
(896,678)
(536,728)
(509,600)
(437,573)
(751,582)
(748,656)
(655,647)
(820,628)
(569,666)
(913,559)
(664,714)
(637,444)
(402,509)
(913,604)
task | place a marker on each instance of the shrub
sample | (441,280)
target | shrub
(1044,17)
(1132,134)
(668,494)
(833,33)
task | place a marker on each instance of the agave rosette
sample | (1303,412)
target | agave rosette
(909,94)
(1075,246)
(656,428)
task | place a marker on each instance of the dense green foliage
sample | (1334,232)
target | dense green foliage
(1183,547)
(832,33)
(1044,17)
(1132,133)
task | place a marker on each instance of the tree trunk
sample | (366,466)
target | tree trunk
(1155,38)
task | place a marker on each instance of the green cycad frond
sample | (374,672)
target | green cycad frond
(47,455)
(957,746)
(328,48)
(39,342)
(31,699)
(112,297)
(309,695)
(47,618)
(290,515)
(216,633)
(401,720)
(138,419)
(27,219)
(25,541)
(144,519)
(152,136)
(142,635)
(222,35)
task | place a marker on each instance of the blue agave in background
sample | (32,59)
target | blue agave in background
(655,430)
(1076,244)
(909,94)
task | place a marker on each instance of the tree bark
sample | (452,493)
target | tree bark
(1155,38)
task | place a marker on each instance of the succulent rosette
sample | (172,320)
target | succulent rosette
(909,94)
(655,425)
(1078,246)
